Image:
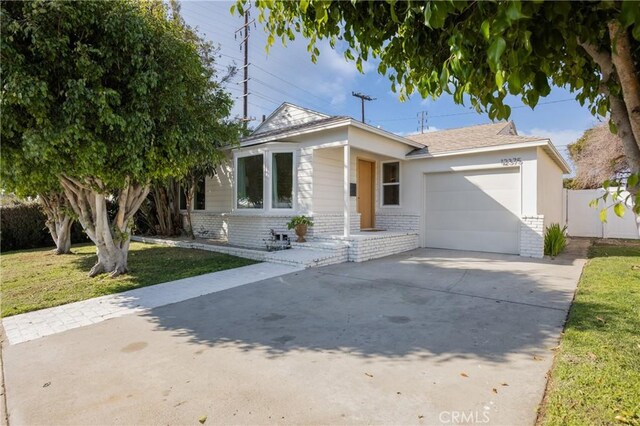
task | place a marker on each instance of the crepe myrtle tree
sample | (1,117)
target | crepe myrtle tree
(481,51)
(121,94)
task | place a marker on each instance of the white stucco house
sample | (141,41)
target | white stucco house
(481,188)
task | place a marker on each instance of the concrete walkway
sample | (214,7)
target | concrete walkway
(45,322)
(427,337)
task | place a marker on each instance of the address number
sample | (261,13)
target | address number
(516,161)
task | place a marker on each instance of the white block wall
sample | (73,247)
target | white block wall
(254,230)
(398,222)
(208,225)
(333,223)
(361,250)
(532,236)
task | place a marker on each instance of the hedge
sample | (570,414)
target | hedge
(23,226)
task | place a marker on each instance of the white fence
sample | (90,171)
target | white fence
(584,221)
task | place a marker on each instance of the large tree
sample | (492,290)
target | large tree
(481,51)
(598,157)
(121,94)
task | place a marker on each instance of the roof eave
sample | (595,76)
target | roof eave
(546,143)
(382,132)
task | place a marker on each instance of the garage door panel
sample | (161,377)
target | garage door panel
(488,220)
(475,200)
(473,210)
(440,182)
(489,241)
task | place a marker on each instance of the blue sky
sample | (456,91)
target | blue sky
(287,74)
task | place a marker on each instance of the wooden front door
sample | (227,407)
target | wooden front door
(365,190)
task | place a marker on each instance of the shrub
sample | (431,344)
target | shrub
(23,226)
(555,239)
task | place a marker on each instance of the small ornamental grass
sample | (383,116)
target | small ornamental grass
(555,239)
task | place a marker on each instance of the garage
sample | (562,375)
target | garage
(473,210)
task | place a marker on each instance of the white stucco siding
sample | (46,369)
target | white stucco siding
(219,189)
(549,182)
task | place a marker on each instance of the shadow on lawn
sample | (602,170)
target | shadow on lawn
(403,306)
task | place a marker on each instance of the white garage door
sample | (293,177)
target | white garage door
(477,210)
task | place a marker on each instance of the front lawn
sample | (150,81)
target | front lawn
(36,279)
(596,376)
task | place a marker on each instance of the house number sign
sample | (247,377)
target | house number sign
(515,161)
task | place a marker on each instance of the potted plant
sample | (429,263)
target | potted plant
(300,225)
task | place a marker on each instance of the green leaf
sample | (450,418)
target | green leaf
(515,84)
(603,215)
(619,209)
(485,28)
(633,180)
(514,10)
(496,49)
(500,79)
(303,5)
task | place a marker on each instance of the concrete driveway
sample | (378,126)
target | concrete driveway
(426,337)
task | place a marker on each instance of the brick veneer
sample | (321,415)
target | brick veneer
(532,236)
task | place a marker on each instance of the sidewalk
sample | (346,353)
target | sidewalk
(33,325)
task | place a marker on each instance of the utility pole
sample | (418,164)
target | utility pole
(244,45)
(423,117)
(362,99)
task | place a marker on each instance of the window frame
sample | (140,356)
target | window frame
(267,177)
(236,157)
(294,178)
(398,184)
(204,195)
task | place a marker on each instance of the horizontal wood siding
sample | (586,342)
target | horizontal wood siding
(328,180)
(219,189)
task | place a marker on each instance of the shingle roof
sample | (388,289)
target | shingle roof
(484,135)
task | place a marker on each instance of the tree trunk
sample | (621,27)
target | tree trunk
(166,200)
(621,56)
(89,200)
(189,195)
(59,220)
(626,117)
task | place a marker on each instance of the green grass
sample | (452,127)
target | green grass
(37,279)
(596,376)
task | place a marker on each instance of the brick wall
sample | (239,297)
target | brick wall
(532,236)
(208,225)
(254,230)
(398,222)
(361,250)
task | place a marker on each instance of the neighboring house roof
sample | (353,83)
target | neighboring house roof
(472,137)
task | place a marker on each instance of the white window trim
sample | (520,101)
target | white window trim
(267,158)
(236,156)
(399,184)
(294,177)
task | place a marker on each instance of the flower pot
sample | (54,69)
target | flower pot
(301,231)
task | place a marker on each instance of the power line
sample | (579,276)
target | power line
(289,83)
(468,113)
